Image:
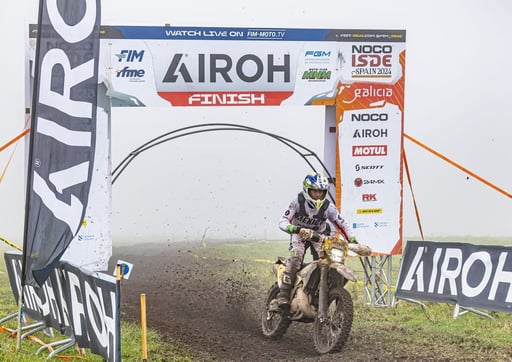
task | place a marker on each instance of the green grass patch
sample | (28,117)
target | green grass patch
(158,349)
(430,333)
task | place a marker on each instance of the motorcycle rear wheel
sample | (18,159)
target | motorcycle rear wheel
(330,335)
(274,324)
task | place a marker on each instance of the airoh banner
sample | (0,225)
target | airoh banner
(207,66)
(75,302)
(470,275)
(63,130)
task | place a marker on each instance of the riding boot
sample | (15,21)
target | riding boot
(283,298)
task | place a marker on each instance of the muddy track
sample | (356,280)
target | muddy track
(211,307)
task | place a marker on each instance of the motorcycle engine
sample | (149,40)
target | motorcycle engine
(301,303)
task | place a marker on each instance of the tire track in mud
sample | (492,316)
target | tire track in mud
(212,306)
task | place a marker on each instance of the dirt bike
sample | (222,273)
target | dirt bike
(318,296)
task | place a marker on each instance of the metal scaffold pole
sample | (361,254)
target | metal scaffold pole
(377,280)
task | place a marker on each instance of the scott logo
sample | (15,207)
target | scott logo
(248,68)
(368,167)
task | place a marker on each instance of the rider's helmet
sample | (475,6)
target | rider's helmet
(315,181)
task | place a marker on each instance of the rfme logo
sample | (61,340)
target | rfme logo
(130,55)
(126,72)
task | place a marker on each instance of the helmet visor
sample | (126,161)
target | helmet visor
(317,194)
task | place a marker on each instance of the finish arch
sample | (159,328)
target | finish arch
(301,150)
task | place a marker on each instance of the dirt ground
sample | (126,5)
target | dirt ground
(209,306)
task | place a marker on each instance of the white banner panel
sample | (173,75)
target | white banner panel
(370,116)
(191,66)
(370,146)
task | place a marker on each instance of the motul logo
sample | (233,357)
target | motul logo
(374,150)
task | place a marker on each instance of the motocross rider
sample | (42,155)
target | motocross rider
(309,212)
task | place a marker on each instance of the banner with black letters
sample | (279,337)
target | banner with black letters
(63,132)
(478,276)
(74,302)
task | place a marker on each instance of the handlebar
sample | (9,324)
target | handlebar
(359,249)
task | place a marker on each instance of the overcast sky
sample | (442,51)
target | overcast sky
(457,101)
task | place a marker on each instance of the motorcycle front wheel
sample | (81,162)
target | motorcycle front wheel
(274,322)
(331,333)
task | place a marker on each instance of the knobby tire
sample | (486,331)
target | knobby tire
(331,336)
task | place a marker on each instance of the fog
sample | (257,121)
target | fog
(236,184)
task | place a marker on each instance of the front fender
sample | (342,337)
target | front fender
(344,271)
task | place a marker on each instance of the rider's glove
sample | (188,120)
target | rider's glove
(292,229)
(352,240)
(305,233)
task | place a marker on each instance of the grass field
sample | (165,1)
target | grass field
(407,326)
(131,340)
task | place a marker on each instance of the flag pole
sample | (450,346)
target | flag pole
(20,316)
(119,278)
(35,95)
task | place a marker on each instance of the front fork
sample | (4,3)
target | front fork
(323,290)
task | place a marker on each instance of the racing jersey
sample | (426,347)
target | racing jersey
(300,213)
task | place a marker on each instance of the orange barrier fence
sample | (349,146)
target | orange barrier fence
(508,194)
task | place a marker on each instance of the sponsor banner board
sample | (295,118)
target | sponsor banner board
(73,301)
(370,116)
(478,276)
(210,66)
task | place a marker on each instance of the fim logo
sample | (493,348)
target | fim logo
(130,55)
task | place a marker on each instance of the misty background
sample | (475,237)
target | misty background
(235,185)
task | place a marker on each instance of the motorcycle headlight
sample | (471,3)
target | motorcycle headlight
(337,255)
